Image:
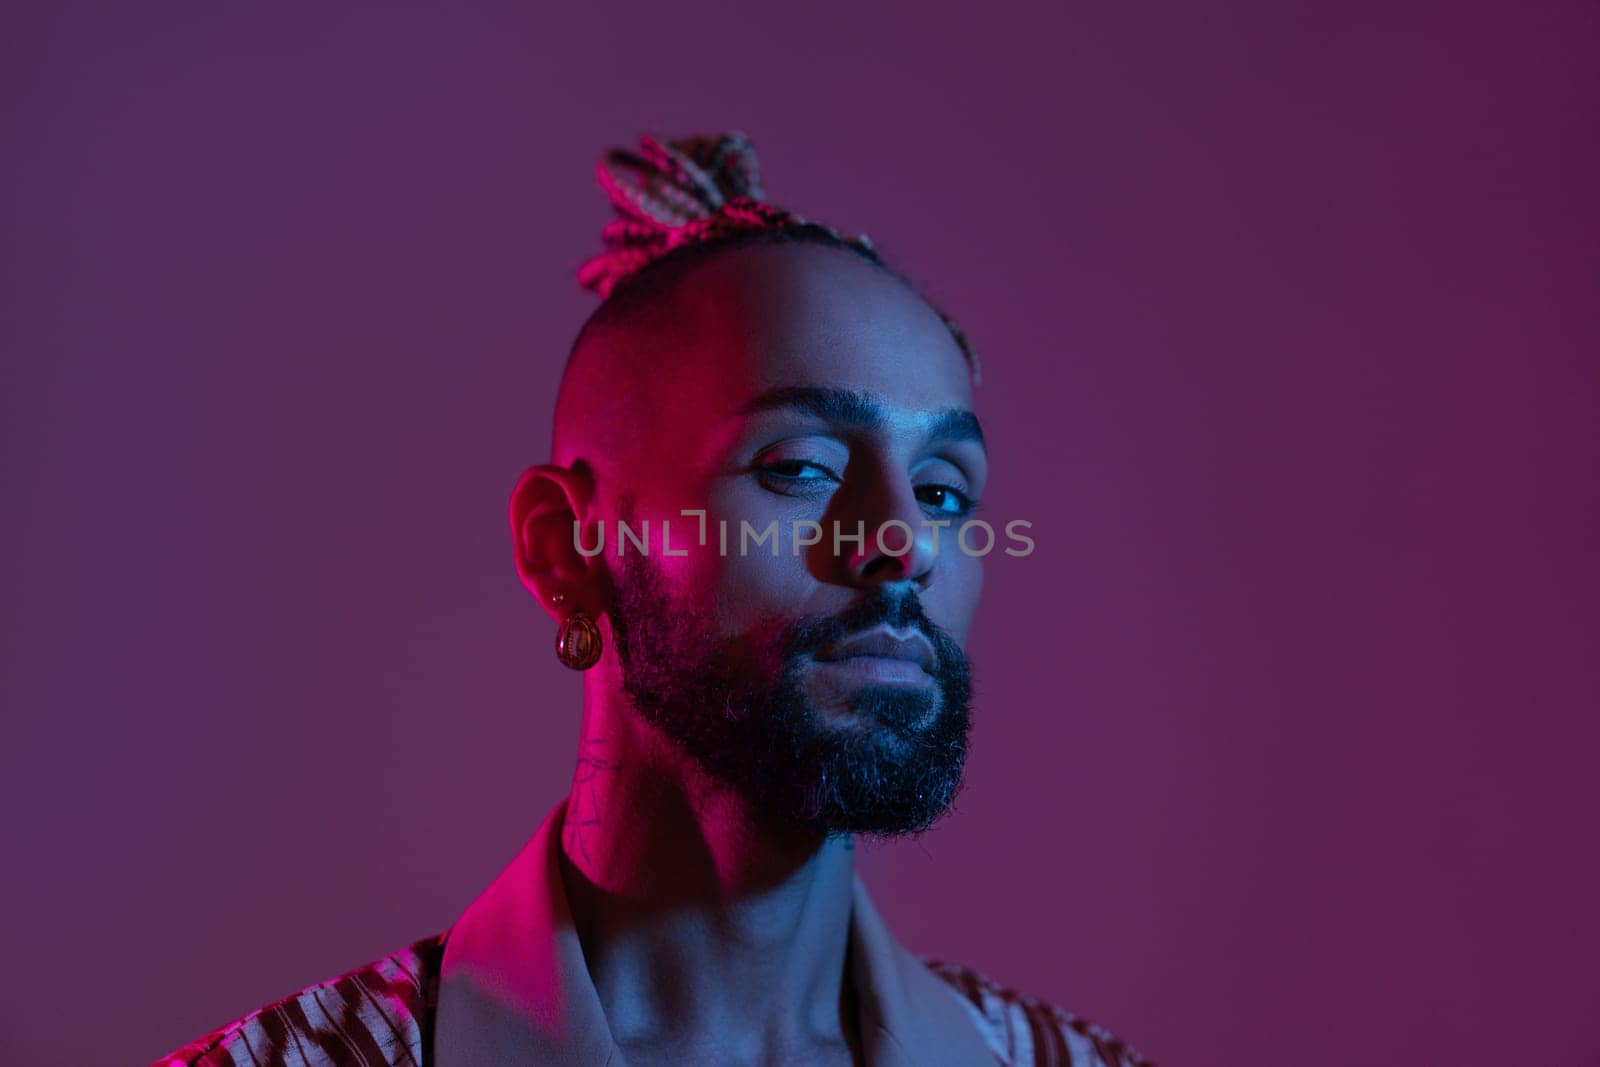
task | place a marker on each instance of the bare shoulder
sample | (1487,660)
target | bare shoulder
(381,1013)
(1023,1031)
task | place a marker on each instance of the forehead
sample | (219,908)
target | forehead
(763,317)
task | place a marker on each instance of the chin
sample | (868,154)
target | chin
(893,709)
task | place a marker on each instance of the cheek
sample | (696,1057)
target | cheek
(952,600)
(756,586)
(735,579)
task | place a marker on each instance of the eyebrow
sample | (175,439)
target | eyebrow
(851,408)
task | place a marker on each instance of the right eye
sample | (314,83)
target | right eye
(796,477)
(796,470)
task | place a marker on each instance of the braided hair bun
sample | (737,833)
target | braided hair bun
(700,191)
(693,191)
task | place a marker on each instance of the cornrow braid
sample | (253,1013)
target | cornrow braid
(688,198)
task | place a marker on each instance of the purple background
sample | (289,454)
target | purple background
(1287,731)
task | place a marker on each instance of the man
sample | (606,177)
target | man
(773,430)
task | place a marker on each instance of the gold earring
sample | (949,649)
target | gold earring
(578,642)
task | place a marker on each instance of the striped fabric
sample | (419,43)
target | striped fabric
(381,1015)
(1022,1030)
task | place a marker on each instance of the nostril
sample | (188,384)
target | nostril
(889,567)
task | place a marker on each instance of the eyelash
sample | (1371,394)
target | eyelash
(966,504)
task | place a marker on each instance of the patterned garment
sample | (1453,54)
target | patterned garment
(381,1015)
(508,984)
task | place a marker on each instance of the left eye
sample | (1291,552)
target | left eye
(946,499)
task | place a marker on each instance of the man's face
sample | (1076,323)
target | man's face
(805,388)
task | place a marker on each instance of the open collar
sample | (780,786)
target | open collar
(514,987)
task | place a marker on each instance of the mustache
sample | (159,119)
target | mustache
(899,611)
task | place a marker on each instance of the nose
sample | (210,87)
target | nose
(894,543)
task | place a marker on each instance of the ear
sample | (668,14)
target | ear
(547,507)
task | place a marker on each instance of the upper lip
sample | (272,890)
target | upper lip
(883,642)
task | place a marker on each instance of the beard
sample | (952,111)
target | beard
(737,707)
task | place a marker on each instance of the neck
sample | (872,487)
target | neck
(703,923)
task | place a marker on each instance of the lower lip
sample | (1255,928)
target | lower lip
(875,670)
